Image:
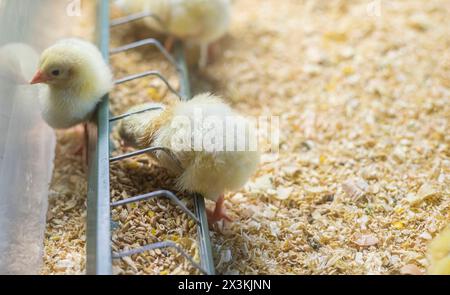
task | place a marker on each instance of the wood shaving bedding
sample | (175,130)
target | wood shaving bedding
(364,103)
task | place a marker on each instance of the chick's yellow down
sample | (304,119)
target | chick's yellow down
(134,128)
(214,157)
(77,78)
(200,22)
(439,254)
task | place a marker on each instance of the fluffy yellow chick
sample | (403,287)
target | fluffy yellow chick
(439,254)
(77,78)
(201,22)
(215,158)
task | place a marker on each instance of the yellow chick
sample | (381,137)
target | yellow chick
(200,22)
(439,254)
(76,78)
(212,143)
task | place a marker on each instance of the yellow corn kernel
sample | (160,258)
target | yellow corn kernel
(398,225)
(348,70)
(322,159)
(399,210)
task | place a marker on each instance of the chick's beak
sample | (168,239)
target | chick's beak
(39,77)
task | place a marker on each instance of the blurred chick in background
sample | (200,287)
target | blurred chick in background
(200,22)
(16,64)
(210,171)
(77,78)
(439,254)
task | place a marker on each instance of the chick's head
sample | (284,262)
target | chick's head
(60,65)
(133,129)
(55,71)
(74,64)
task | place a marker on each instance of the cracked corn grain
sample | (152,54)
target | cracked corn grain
(362,98)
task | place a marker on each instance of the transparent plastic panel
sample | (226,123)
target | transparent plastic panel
(27,144)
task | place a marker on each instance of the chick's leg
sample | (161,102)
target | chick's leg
(86,145)
(204,54)
(218,213)
(81,149)
(207,54)
(78,148)
(169,43)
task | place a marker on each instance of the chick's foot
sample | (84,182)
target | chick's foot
(218,213)
(78,148)
(81,149)
(169,43)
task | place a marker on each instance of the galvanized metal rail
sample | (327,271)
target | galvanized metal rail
(99,256)
(99,251)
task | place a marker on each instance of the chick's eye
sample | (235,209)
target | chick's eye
(55,72)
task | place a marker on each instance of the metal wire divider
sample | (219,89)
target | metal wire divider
(99,252)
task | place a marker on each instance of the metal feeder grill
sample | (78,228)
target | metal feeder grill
(99,251)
